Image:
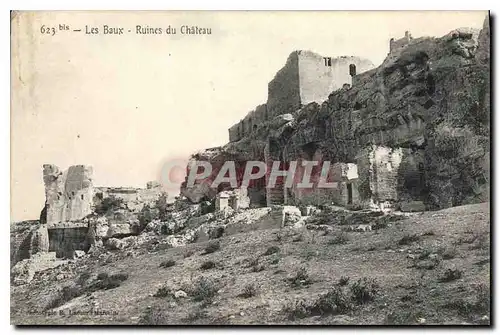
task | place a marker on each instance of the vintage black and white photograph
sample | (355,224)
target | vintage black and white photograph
(250,168)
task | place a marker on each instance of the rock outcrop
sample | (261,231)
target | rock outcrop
(428,104)
(68,194)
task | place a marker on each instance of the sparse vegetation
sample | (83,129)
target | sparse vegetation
(204,290)
(107,282)
(250,290)
(271,250)
(425,254)
(335,301)
(300,279)
(167,264)
(212,247)
(339,238)
(448,253)
(429,233)
(364,290)
(408,239)
(297,310)
(472,308)
(207,265)
(344,280)
(163,292)
(255,265)
(401,317)
(154,317)
(278,237)
(451,275)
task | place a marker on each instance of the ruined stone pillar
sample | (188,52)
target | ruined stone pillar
(68,194)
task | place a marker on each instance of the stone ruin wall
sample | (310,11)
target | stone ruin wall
(68,194)
(317,79)
(306,77)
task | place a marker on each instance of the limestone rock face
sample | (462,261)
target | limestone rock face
(26,239)
(68,194)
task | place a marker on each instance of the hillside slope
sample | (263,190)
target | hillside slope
(420,268)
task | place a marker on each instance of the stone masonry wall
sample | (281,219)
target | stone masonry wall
(317,79)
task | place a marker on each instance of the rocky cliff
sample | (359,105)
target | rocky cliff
(430,100)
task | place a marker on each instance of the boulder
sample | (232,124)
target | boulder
(115,244)
(180,294)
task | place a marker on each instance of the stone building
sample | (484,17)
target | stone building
(306,77)
(400,43)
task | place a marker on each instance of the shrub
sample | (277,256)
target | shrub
(297,310)
(364,290)
(450,275)
(207,265)
(167,264)
(212,247)
(194,317)
(154,316)
(335,301)
(204,290)
(425,254)
(278,237)
(340,238)
(301,278)
(408,239)
(271,250)
(255,265)
(121,276)
(106,282)
(162,292)
(249,291)
(344,280)
(102,276)
(402,317)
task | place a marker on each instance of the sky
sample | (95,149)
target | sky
(127,103)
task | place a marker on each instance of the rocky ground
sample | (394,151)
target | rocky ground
(333,267)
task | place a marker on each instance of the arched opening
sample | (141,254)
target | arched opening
(352,69)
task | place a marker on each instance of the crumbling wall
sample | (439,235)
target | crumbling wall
(284,90)
(68,194)
(400,43)
(319,76)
